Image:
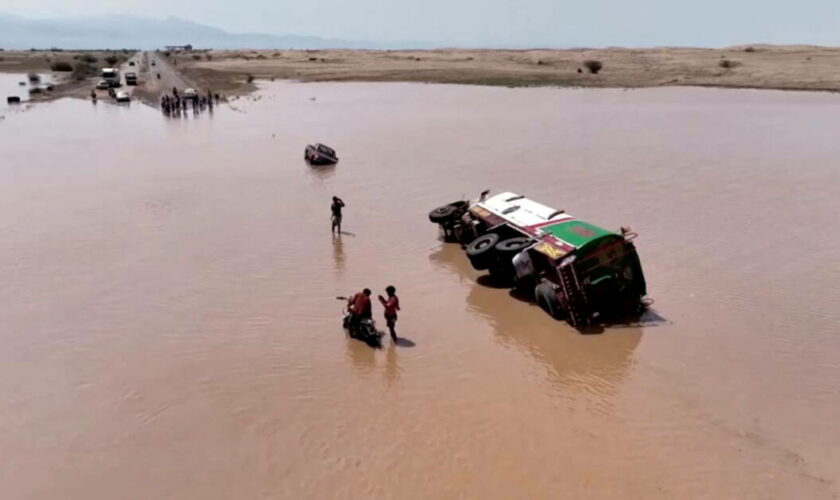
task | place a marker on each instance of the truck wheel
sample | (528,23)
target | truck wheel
(548,301)
(480,251)
(514,245)
(442,214)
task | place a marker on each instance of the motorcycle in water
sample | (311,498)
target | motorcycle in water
(364,331)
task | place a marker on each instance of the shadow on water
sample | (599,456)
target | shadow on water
(361,355)
(570,357)
(404,342)
(338,253)
(647,318)
(322,172)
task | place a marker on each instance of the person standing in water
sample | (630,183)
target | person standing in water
(337,205)
(392,305)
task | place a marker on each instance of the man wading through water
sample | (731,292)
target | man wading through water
(337,205)
(392,305)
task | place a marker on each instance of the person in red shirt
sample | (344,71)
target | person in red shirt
(392,305)
(360,307)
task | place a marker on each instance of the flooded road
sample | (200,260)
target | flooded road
(169,327)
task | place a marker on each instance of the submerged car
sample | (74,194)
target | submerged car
(319,154)
(122,96)
(573,269)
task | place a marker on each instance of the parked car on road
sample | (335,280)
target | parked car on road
(122,96)
(103,85)
(131,78)
(573,269)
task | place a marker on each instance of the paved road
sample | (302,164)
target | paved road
(148,65)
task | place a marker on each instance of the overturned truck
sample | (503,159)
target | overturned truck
(574,270)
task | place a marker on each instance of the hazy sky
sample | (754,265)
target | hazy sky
(517,23)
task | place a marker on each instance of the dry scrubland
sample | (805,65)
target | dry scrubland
(233,71)
(775,67)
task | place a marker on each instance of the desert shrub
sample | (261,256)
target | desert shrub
(196,57)
(77,57)
(33,77)
(540,62)
(167,53)
(593,66)
(749,49)
(249,78)
(2,59)
(88,58)
(61,66)
(727,64)
(112,59)
(209,57)
(260,56)
(313,58)
(35,90)
(83,70)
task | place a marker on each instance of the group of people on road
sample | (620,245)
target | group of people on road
(359,305)
(176,104)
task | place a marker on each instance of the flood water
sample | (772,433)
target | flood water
(10,85)
(169,327)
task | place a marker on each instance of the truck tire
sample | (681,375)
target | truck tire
(481,251)
(442,214)
(514,245)
(548,301)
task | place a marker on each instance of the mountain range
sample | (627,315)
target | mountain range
(116,32)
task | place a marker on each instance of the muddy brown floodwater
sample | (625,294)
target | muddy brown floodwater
(169,328)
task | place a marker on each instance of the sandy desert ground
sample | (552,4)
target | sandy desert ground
(232,71)
(767,67)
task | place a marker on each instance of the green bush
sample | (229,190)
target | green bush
(593,66)
(35,90)
(83,70)
(196,57)
(112,59)
(61,66)
(34,78)
(249,78)
(749,49)
(89,58)
(727,64)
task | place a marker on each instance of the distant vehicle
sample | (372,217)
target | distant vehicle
(131,63)
(319,154)
(13,99)
(154,63)
(112,76)
(190,93)
(131,78)
(122,96)
(574,270)
(103,85)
